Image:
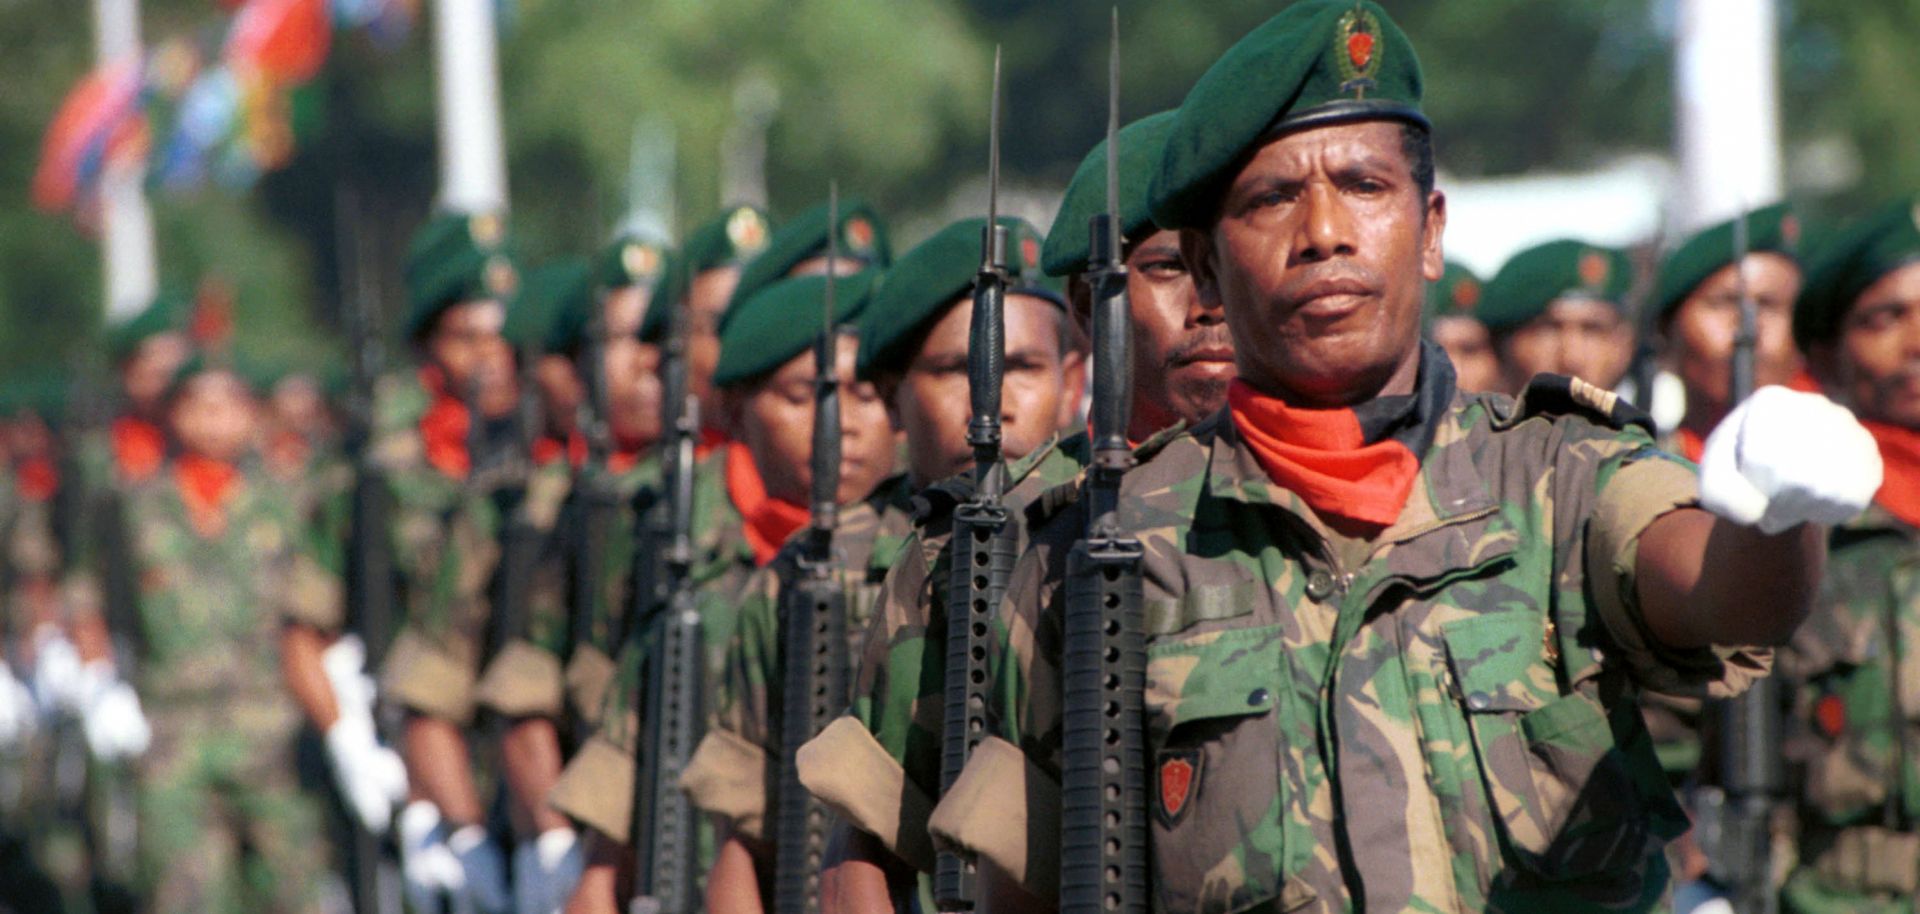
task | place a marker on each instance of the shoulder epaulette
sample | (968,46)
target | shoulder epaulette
(1560,395)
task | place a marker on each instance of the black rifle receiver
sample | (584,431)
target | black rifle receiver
(982,550)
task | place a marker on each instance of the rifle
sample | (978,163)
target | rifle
(595,505)
(982,550)
(369,566)
(813,633)
(1754,775)
(670,699)
(1103,821)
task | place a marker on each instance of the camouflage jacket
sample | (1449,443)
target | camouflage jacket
(597,786)
(733,772)
(879,766)
(1854,728)
(1441,717)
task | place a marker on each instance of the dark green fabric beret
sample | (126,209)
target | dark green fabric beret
(1769,229)
(735,236)
(456,258)
(1066,250)
(861,235)
(1853,258)
(1316,63)
(1535,277)
(165,314)
(549,294)
(630,260)
(932,277)
(1458,293)
(783,320)
(247,370)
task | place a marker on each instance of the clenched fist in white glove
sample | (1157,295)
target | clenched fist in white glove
(110,713)
(1784,458)
(545,871)
(371,777)
(433,877)
(485,868)
(345,663)
(18,712)
(56,672)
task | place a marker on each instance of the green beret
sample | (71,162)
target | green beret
(1535,277)
(244,369)
(167,313)
(1773,228)
(1457,293)
(456,258)
(549,296)
(1316,63)
(630,260)
(932,277)
(861,235)
(1854,258)
(736,235)
(783,320)
(1069,240)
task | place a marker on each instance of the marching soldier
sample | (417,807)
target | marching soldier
(1559,308)
(1394,631)
(1857,686)
(706,272)
(1451,323)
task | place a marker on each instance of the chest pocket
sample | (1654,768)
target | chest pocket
(1848,709)
(1216,796)
(1569,800)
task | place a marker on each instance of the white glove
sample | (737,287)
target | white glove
(110,713)
(485,868)
(431,872)
(56,672)
(371,777)
(545,871)
(1784,458)
(345,662)
(17,709)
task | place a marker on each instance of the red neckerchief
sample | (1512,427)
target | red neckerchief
(138,448)
(622,461)
(444,427)
(287,452)
(769,520)
(1692,446)
(205,486)
(38,479)
(1358,463)
(1900,455)
(710,438)
(547,449)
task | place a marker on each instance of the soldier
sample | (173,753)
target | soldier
(731,773)
(1394,631)
(706,273)
(749,497)
(1558,308)
(225,825)
(1852,727)
(1451,323)
(445,529)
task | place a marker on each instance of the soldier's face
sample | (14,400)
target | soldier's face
(1321,255)
(561,393)
(212,415)
(624,308)
(631,370)
(706,299)
(1581,337)
(1874,365)
(774,419)
(145,375)
(1705,323)
(298,404)
(1470,348)
(467,347)
(1182,351)
(1039,391)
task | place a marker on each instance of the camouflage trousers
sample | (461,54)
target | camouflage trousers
(1864,869)
(224,823)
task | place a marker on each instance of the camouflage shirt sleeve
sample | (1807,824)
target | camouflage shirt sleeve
(729,773)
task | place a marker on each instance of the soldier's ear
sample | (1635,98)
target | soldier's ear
(1433,259)
(1196,249)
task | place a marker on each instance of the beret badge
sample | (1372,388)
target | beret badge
(1358,53)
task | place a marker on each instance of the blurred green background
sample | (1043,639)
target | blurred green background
(887,96)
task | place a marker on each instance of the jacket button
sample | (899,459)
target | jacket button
(1257,697)
(1477,702)
(1319,585)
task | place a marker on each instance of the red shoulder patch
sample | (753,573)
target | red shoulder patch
(1179,777)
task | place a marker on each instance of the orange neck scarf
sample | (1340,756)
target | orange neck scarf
(1359,463)
(205,486)
(138,447)
(444,427)
(710,438)
(38,479)
(769,520)
(547,449)
(622,461)
(1900,454)
(1692,446)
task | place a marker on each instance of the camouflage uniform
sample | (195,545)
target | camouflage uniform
(225,825)
(732,773)
(1852,664)
(548,671)
(1439,718)
(879,766)
(597,786)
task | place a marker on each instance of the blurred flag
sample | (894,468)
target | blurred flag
(99,122)
(284,41)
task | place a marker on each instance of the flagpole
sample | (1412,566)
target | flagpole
(128,270)
(473,161)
